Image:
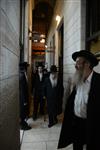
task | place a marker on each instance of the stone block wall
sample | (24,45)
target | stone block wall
(9,76)
(72,34)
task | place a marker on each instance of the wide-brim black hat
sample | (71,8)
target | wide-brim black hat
(23,64)
(53,68)
(86,54)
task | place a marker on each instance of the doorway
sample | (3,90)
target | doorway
(60,47)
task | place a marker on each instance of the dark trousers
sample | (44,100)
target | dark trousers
(38,105)
(23,111)
(79,131)
(52,116)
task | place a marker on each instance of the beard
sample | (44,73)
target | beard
(78,77)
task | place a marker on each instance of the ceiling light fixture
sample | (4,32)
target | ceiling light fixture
(58,18)
(46,46)
(35,41)
(42,41)
(42,36)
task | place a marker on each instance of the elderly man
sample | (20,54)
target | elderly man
(53,88)
(81,124)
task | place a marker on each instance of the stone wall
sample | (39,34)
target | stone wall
(9,78)
(72,34)
(53,32)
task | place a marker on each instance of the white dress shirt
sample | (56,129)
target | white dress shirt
(40,76)
(53,80)
(81,98)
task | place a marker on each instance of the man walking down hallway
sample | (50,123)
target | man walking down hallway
(37,84)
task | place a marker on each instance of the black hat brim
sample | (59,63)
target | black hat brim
(53,68)
(23,64)
(86,54)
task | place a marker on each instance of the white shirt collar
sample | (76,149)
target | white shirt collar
(89,77)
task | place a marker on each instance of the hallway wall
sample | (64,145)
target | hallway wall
(53,32)
(74,34)
(9,78)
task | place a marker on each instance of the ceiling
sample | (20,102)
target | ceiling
(42,15)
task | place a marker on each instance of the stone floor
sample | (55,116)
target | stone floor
(40,137)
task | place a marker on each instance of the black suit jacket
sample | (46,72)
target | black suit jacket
(54,96)
(23,95)
(37,86)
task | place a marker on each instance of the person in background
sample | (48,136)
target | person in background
(46,73)
(53,91)
(38,81)
(23,95)
(81,123)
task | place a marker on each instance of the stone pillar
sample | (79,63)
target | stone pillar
(9,74)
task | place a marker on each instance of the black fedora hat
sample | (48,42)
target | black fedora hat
(23,64)
(53,68)
(86,54)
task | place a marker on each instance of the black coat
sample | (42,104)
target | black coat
(93,117)
(23,95)
(37,86)
(54,96)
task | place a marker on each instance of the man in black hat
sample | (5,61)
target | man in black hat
(81,124)
(53,91)
(37,85)
(23,95)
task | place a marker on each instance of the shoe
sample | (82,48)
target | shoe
(51,124)
(25,126)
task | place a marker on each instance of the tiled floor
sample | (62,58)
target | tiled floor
(40,137)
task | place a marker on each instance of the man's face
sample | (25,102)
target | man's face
(39,69)
(80,63)
(80,67)
(54,75)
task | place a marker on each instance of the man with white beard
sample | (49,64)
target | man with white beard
(53,91)
(82,113)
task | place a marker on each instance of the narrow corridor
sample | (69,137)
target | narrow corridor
(44,32)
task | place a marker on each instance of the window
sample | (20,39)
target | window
(93,19)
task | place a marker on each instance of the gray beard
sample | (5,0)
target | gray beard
(77,78)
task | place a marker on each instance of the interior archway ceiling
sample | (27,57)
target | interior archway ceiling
(42,15)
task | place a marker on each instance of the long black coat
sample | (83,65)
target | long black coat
(93,117)
(54,96)
(23,95)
